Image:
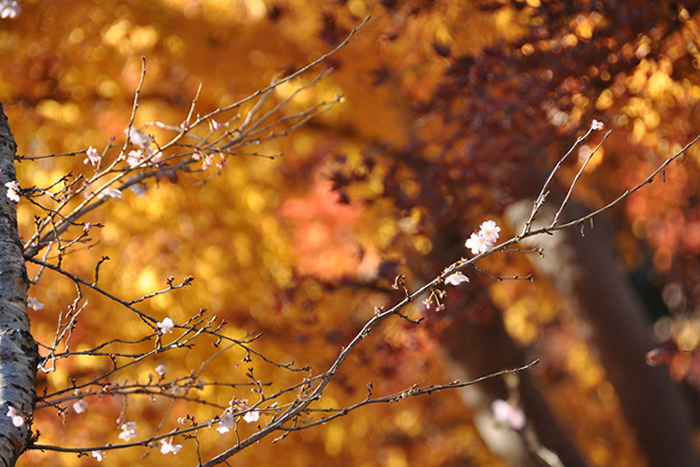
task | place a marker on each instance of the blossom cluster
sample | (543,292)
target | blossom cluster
(236,406)
(13,190)
(485,239)
(479,243)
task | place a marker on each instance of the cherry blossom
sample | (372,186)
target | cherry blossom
(134,158)
(112,193)
(225,423)
(80,406)
(128,431)
(16,416)
(252,416)
(139,189)
(478,244)
(168,446)
(33,302)
(596,125)
(13,190)
(506,413)
(166,326)
(208,160)
(456,279)
(138,139)
(9,9)
(93,157)
(161,370)
(489,231)
(99,455)
(485,239)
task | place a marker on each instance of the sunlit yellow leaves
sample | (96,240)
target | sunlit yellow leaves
(386,232)
(638,131)
(583,157)
(605,100)
(504,21)
(147,281)
(584,27)
(242,248)
(66,114)
(570,40)
(128,38)
(686,333)
(254,199)
(582,365)
(422,244)
(335,438)
(636,82)
(524,318)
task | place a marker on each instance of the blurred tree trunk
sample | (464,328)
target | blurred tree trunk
(584,270)
(479,348)
(18,351)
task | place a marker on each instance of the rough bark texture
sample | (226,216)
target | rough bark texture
(18,350)
(584,270)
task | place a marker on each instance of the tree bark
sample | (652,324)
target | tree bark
(18,351)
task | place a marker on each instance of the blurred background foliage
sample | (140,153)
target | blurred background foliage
(453,109)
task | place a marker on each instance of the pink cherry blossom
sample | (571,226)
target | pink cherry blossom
(112,193)
(128,431)
(489,231)
(166,326)
(506,413)
(13,190)
(139,139)
(225,424)
(456,279)
(33,302)
(478,244)
(168,447)
(80,406)
(16,416)
(93,157)
(485,239)
(9,9)
(252,416)
(134,158)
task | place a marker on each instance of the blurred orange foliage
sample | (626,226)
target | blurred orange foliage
(299,248)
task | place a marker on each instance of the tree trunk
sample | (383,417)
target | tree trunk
(479,347)
(18,350)
(583,268)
